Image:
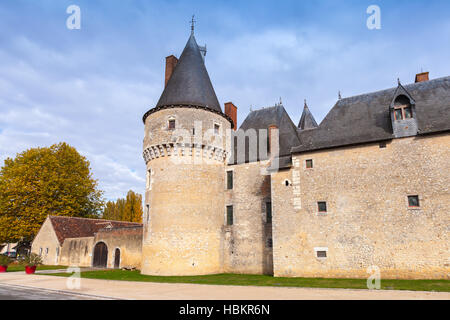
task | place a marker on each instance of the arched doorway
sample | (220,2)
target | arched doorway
(117,259)
(100,255)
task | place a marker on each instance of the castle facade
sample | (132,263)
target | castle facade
(365,192)
(367,189)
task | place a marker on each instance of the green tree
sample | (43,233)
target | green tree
(45,181)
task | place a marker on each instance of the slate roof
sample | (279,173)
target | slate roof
(73,227)
(190,83)
(307,120)
(262,119)
(366,118)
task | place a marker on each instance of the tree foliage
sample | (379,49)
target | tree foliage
(45,181)
(129,209)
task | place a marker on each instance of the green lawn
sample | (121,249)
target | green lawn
(261,280)
(16,267)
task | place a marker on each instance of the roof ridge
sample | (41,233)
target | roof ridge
(417,84)
(266,108)
(93,219)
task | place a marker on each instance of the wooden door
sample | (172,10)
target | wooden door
(100,255)
(117,259)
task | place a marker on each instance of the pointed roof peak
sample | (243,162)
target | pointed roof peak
(190,84)
(307,120)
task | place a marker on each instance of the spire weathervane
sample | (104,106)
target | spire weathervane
(193,24)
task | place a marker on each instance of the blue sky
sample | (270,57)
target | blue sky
(90,87)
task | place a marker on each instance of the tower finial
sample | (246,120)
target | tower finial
(193,24)
(306,105)
(339,95)
(398,80)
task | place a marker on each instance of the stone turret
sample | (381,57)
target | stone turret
(185,154)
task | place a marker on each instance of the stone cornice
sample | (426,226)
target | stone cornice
(184,149)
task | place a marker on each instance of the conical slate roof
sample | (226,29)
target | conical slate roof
(190,84)
(307,120)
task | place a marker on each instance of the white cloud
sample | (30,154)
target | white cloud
(92,89)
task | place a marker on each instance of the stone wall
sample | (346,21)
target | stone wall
(369,222)
(77,252)
(246,245)
(184,219)
(129,242)
(46,244)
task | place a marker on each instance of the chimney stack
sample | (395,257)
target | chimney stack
(231,111)
(171,62)
(422,77)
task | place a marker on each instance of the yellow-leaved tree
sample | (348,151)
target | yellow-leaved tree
(129,209)
(45,181)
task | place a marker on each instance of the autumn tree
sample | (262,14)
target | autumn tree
(133,207)
(129,209)
(45,181)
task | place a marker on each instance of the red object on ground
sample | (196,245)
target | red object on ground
(30,270)
(3,268)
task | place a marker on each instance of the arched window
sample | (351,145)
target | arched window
(402,108)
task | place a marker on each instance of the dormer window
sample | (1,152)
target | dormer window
(402,109)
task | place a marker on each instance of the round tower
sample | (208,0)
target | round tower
(185,155)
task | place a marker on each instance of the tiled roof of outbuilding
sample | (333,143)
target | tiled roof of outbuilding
(73,227)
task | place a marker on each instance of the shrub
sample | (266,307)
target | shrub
(32,260)
(4,260)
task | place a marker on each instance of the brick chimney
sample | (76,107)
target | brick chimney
(171,62)
(231,111)
(422,77)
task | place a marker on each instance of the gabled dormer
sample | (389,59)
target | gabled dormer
(403,113)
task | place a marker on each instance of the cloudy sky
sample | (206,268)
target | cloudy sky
(90,87)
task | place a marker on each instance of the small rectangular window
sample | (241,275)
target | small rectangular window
(147,209)
(149,179)
(171,124)
(398,114)
(322,206)
(408,112)
(269,212)
(40,251)
(57,251)
(309,164)
(269,243)
(382,145)
(229,180)
(46,250)
(413,201)
(321,254)
(216,128)
(229,215)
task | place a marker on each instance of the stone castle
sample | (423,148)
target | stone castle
(368,187)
